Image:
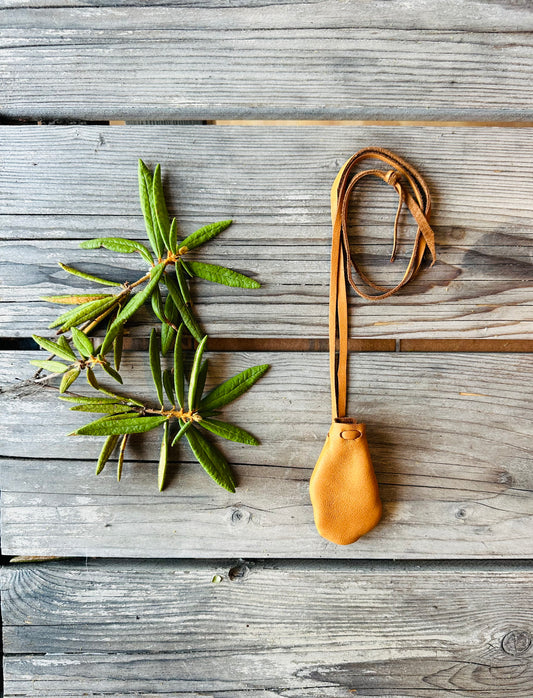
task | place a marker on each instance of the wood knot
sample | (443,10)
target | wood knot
(240,517)
(516,642)
(238,573)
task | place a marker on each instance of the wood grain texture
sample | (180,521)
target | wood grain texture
(450,438)
(323,60)
(59,185)
(282,630)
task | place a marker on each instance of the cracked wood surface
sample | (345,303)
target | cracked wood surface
(462,60)
(450,436)
(60,185)
(278,630)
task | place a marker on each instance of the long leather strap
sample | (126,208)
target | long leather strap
(414,193)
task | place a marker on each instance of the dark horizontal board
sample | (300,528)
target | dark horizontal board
(60,185)
(450,437)
(372,60)
(285,629)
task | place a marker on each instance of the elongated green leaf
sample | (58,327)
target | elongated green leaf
(52,366)
(204,234)
(54,348)
(110,408)
(111,372)
(91,379)
(184,264)
(173,236)
(117,349)
(232,388)
(179,372)
(82,399)
(89,277)
(82,343)
(105,453)
(78,299)
(211,459)
(121,452)
(155,364)
(68,379)
(202,376)
(168,384)
(83,313)
(182,281)
(195,372)
(145,195)
(157,304)
(229,431)
(130,308)
(183,309)
(163,458)
(131,425)
(160,207)
(118,245)
(184,428)
(62,342)
(222,275)
(168,333)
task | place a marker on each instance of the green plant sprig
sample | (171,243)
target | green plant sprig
(122,416)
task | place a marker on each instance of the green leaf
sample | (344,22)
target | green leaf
(183,309)
(211,459)
(184,428)
(68,379)
(52,366)
(163,458)
(89,277)
(91,379)
(105,453)
(202,376)
(131,307)
(155,364)
(228,431)
(182,281)
(83,313)
(117,349)
(179,371)
(120,461)
(160,207)
(54,348)
(131,425)
(111,372)
(167,331)
(145,195)
(82,399)
(157,304)
(77,299)
(195,372)
(65,346)
(118,245)
(232,388)
(109,408)
(204,234)
(222,275)
(82,343)
(168,384)
(173,236)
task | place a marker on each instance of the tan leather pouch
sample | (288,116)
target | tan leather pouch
(343,487)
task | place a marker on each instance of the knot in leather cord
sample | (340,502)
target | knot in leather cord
(414,193)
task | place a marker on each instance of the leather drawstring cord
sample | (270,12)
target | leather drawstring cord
(417,199)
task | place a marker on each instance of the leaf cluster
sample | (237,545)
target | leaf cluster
(165,285)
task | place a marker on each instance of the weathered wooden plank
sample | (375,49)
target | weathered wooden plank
(60,185)
(373,60)
(450,437)
(266,630)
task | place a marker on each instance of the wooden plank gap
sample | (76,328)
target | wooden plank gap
(362,122)
(520,346)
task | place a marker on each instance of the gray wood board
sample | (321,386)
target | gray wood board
(283,629)
(372,60)
(59,185)
(450,437)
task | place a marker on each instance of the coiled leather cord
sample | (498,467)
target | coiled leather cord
(414,193)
